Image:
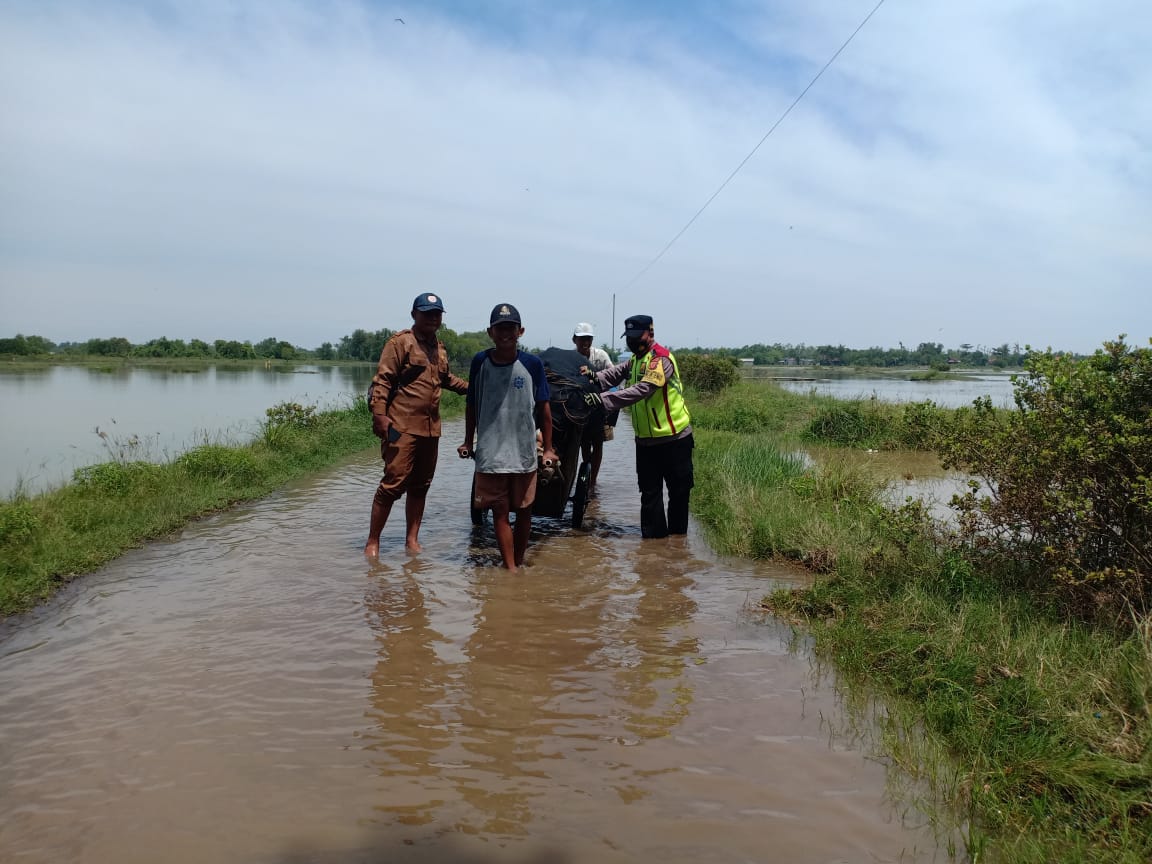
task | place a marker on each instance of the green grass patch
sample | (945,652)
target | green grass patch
(48,539)
(1030,730)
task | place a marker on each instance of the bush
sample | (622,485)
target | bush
(115,478)
(18,524)
(706,373)
(849,424)
(214,461)
(285,420)
(1064,493)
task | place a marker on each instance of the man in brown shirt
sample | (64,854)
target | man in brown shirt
(405,403)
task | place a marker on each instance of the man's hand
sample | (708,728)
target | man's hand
(593,400)
(588,373)
(549,458)
(465,451)
(381,423)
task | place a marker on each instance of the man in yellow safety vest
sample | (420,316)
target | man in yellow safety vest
(651,388)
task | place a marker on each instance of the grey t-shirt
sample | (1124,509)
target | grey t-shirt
(503,398)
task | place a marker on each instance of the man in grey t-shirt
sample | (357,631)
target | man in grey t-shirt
(507,399)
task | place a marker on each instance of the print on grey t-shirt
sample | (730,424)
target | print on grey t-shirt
(505,419)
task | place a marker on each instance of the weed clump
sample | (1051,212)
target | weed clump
(217,462)
(706,373)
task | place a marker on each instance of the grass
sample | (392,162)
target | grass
(1032,733)
(48,539)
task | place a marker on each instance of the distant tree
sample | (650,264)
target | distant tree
(325,351)
(117,346)
(266,347)
(233,350)
(462,347)
(26,345)
(15,345)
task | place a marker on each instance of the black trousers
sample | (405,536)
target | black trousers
(657,465)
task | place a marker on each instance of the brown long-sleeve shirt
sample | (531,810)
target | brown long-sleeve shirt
(407,384)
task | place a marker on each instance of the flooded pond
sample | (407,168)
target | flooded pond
(950,392)
(51,413)
(253,690)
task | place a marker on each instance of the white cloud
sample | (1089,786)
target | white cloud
(300,170)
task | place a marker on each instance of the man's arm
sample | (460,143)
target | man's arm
(466,450)
(448,381)
(544,412)
(613,375)
(456,385)
(642,389)
(383,385)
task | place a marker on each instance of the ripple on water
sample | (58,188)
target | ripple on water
(254,687)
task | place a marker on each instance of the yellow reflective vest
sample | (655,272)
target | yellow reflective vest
(663,413)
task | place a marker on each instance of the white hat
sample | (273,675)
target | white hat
(583,329)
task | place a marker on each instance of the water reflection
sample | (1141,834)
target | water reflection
(661,642)
(410,686)
(946,391)
(249,692)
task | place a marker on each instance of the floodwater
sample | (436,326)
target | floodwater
(51,414)
(253,690)
(949,392)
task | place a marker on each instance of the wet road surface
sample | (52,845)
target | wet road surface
(253,690)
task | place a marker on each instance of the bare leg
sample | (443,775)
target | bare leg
(414,515)
(504,539)
(380,510)
(521,533)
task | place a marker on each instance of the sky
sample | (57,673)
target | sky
(973,172)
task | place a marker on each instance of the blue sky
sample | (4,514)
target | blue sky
(974,172)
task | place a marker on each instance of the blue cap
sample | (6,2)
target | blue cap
(428,303)
(504,312)
(637,325)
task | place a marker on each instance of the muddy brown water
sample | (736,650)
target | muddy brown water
(253,690)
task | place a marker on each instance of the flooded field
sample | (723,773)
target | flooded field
(254,690)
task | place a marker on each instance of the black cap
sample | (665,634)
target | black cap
(504,312)
(428,303)
(637,325)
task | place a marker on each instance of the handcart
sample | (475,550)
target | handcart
(568,481)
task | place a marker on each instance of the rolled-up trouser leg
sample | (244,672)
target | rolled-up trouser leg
(400,457)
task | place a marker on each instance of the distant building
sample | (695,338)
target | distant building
(747,361)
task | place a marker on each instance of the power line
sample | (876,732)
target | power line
(752,152)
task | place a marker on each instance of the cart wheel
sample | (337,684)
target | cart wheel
(477,513)
(580,496)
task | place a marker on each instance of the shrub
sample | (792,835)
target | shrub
(1064,487)
(18,524)
(115,478)
(849,424)
(919,425)
(222,463)
(285,420)
(706,373)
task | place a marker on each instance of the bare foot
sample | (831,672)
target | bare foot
(372,549)
(413,547)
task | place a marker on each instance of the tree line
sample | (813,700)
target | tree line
(365,345)
(361,344)
(931,354)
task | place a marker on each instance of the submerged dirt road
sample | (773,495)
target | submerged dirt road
(255,691)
